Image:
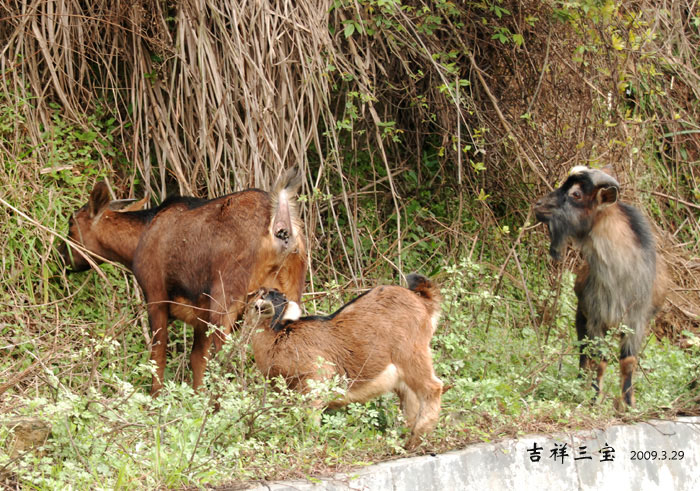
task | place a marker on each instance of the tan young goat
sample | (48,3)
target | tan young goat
(380,342)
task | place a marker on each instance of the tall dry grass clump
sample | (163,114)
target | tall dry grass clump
(217,95)
(388,107)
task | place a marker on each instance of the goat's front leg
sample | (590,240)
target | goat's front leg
(585,361)
(221,324)
(410,405)
(598,382)
(583,340)
(427,388)
(158,319)
(226,308)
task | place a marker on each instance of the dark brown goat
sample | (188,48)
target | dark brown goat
(380,341)
(622,281)
(196,260)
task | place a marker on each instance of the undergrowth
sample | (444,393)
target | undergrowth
(89,375)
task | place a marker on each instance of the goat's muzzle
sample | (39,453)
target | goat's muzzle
(263,308)
(67,256)
(543,209)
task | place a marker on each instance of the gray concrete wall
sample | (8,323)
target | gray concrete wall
(508,465)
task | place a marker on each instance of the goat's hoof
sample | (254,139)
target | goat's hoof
(621,406)
(412,443)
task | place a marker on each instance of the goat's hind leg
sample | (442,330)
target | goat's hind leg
(628,365)
(427,389)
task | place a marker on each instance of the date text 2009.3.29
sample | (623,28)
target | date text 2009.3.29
(656,455)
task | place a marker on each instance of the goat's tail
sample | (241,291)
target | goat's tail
(427,290)
(290,182)
(286,225)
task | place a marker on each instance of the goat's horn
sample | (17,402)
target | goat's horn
(602,179)
(599,178)
(123,205)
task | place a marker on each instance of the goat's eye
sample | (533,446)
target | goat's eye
(576,195)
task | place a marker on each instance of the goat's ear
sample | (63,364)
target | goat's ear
(282,228)
(607,196)
(99,198)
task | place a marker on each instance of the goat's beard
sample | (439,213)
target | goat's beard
(558,240)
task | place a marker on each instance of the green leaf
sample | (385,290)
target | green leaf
(617,42)
(349,29)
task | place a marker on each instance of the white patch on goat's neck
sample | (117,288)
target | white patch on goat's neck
(579,169)
(292,312)
(612,239)
(434,319)
(604,250)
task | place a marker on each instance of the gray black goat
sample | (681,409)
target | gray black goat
(622,281)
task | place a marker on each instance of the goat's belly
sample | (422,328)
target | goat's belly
(606,311)
(182,308)
(385,382)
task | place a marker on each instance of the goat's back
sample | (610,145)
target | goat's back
(189,247)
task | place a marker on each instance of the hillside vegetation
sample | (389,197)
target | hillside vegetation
(424,130)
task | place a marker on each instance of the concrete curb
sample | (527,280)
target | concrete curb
(617,458)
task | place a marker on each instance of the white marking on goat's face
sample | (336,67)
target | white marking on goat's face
(264,308)
(579,169)
(292,312)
